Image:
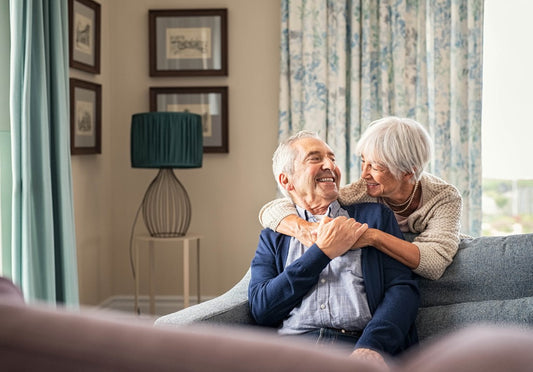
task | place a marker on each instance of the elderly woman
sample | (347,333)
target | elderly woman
(394,152)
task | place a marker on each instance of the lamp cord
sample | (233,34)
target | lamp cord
(132,263)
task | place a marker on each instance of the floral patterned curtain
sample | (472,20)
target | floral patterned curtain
(345,63)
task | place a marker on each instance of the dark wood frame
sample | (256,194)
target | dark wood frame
(153,15)
(223,145)
(75,149)
(80,65)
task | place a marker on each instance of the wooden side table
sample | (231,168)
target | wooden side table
(182,241)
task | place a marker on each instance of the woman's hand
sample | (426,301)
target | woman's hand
(305,232)
(336,236)
(372,356)
(298,228)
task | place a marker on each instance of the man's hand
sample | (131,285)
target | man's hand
(371,356)
(335,237)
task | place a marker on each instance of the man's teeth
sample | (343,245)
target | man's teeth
(325,179)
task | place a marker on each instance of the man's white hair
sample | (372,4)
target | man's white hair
(285,155)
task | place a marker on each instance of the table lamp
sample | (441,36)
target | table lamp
(166,140)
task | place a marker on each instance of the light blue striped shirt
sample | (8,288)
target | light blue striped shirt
(339,299)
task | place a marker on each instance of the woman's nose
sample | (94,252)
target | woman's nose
(365,169)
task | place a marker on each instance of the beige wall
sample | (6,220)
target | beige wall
(226,193)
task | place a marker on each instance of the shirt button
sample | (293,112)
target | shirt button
(322,306)
(322,280)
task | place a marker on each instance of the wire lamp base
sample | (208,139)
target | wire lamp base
(166,206)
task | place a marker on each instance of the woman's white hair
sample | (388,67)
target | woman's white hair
(400,144)
(285,155)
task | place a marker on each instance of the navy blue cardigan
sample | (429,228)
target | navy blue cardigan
(391,287)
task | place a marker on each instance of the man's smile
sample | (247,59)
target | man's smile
(325,179)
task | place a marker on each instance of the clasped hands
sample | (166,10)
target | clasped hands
(333,236)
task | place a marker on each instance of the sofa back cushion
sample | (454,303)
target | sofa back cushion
(489,282)
(485,268)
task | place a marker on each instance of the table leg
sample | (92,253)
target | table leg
(137,274)
(151,270)
(198,270)
(186,273)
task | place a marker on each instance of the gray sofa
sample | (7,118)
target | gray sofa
(489,281)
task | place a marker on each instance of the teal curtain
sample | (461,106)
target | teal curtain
(43,239)
(345,63)
(5,144)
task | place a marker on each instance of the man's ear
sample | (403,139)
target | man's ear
(285,182)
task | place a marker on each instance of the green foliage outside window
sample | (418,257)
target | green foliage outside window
(507,207)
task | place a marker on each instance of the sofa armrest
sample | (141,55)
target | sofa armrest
(230,307)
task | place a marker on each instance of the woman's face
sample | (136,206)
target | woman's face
(379,180)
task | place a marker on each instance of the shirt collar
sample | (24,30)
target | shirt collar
(333,211)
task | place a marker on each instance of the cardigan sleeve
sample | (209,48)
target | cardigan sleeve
(392,327)
(273,290)
(392,290)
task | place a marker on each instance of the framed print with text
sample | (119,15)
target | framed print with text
(188,42)
(211,103)
(85,117)
(84,35)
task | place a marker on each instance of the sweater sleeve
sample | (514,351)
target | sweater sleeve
(274,211)
(438,240)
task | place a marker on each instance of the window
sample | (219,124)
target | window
(507,123)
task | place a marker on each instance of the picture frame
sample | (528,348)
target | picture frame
(211,103)
(84,35)
(85,117)
(188,42)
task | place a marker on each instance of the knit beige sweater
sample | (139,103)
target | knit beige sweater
(437,221)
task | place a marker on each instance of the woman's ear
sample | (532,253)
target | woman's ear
(409,176)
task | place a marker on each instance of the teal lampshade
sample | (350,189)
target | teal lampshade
(166,140)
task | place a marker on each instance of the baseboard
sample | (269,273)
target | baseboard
(163,304)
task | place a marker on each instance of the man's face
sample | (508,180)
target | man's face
(315,181)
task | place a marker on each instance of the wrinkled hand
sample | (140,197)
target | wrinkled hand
(336,236)
(365,240)
(372,356)
(306,232)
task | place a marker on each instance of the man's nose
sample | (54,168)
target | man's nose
(328,164)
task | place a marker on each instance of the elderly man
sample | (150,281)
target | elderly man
(329,291)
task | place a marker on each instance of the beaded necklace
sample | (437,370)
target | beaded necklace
(408,201)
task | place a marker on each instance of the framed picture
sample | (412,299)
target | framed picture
(84,35)
(189,42)
(211,103)
(85,117)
